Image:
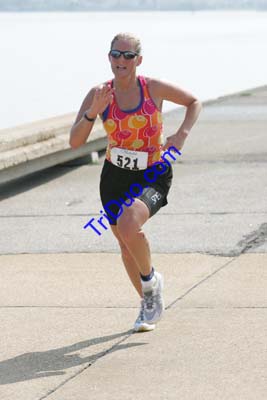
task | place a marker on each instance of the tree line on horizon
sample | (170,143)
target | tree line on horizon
(116,5)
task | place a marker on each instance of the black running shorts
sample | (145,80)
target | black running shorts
(119,187)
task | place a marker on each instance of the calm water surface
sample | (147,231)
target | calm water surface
(50,60)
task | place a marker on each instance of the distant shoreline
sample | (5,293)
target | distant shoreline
(133,5)
(116,10)
(42,34)
(136,10)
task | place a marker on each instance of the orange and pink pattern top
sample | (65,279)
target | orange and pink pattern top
(139,129)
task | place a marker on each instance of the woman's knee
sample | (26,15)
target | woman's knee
(128,225)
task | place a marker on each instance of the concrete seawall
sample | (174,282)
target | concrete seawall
(42,144)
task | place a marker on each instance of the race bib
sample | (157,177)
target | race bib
(129,159)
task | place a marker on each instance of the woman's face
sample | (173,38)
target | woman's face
(122,67)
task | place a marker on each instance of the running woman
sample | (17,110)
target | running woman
(130,108)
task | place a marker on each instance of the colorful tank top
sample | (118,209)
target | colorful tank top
(139,129)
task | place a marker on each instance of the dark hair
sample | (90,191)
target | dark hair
(128,36)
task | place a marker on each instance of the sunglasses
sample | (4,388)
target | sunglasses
(128,55)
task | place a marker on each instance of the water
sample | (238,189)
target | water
(50,60)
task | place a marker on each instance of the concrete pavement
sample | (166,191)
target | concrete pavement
(67,307)
(67,318)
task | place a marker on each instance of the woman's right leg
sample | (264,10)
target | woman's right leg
(129,263)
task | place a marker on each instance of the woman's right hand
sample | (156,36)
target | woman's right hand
(94,103)
(102,96)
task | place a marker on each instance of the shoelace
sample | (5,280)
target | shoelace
(149,300)
(141,315)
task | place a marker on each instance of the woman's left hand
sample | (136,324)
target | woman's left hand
(177,140)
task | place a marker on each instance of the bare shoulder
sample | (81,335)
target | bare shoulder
(153,85)
(169,91)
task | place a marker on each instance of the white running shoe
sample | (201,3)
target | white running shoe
(153,300)
(140,324)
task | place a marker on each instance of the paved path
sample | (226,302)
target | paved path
(67,308)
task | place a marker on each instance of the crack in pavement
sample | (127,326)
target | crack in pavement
(251,241)
(198,284)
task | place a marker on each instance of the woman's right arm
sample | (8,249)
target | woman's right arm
(94,103)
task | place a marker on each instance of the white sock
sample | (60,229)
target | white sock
(148,284)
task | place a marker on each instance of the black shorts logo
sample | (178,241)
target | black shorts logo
(156,197)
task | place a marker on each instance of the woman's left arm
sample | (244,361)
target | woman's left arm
(166,91)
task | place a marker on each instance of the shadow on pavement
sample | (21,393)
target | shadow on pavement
(54,362)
